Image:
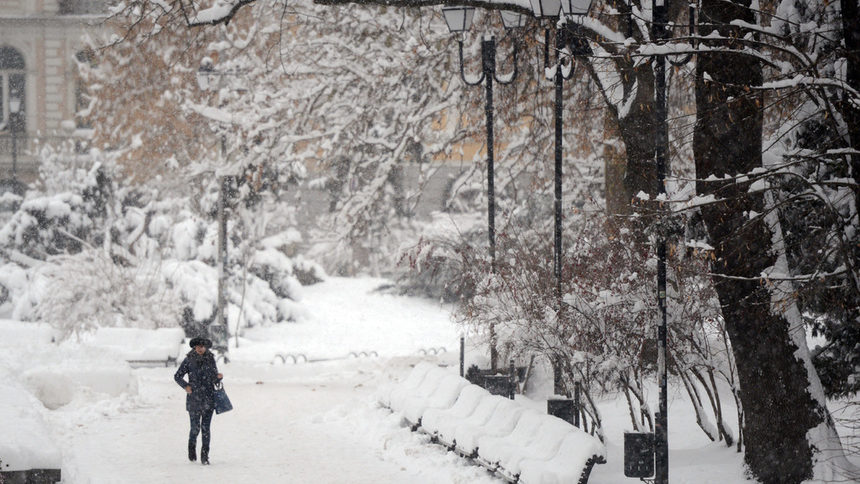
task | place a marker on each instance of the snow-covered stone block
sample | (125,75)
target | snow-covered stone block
(443,397)
(468,399)
(502,422)
(567,465)
(26,443)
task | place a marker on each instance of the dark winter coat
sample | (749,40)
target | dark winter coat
(202,376)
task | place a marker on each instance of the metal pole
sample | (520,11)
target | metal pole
(462,355)
(222,253)
(488,64)
(488,54)
(558,168)
(14,153)
(662,140)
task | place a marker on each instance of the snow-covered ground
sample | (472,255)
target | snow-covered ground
(297,423)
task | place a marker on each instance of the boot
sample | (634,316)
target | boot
(192,451)
(204,456)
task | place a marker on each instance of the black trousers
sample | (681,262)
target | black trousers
(200,421)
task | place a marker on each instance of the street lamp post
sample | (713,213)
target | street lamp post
(207,78)
(566,36)
(661,441)
(15,125)
(459,20)
(660,32)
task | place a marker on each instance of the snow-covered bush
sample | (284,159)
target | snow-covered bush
(81,292)
(105,253)
(602,336)
(435,264)
(46,226)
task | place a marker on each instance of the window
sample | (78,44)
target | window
(12,79)
(81,7)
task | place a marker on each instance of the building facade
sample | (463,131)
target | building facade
(39,89)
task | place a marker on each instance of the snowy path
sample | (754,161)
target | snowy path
(306,423)
(317,423)
(298,425)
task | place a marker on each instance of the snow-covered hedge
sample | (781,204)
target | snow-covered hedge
(32,446)
(57,385)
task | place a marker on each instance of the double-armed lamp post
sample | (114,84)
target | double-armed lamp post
(566,36)
(659,32)
(459,20)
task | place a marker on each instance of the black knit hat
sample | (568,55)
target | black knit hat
(200,341)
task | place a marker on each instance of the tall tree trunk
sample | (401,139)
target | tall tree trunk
(778,408)
(625,178)
(614,163)
(638,132)
(851,34)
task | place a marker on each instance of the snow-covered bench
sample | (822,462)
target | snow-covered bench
(19,333)
(501,423)
(443,396)
(407,387)
(27,453)
(441,422)
(142,347)
(507,437)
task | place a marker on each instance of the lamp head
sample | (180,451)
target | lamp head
(546,8)
(459,19)
(512,20)
(575,7)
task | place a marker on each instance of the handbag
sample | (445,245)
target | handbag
(222,401)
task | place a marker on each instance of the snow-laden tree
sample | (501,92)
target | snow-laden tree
(340,97)
(752,275)
(812,166)
(786,420)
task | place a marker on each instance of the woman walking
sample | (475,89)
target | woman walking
(199,365)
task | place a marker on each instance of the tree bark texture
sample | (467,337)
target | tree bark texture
(628,176)
(778,408)
(637,129)
(639,135)
(851,33)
